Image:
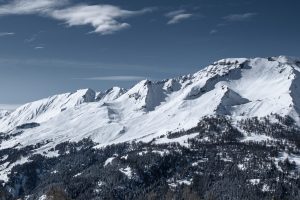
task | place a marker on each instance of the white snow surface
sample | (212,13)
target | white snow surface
(43,197)
(4,113)
(108,161)
(254,181)
(6,168)
(238,87)
(46,109)
(127,171)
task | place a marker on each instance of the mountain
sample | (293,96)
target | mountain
(4,113)
(237,104)
(45,109)
(240,88)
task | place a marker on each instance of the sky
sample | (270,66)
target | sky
(55,46)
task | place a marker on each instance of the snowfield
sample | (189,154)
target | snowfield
(237,87)
(3,113)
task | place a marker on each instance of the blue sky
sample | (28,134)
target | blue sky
(55,46)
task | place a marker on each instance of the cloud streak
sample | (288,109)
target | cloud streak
(22,7)
(114,78)
(229,19)
(239,17)
(39,47)
(177,16)
(3,34)
(105,19)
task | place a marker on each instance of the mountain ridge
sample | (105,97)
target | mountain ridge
(237,87)
(234,124)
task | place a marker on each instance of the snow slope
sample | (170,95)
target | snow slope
(237,87)
(4,113)
(45,109)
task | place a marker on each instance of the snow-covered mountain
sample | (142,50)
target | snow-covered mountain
(235,124)
(3,113)
(238,87)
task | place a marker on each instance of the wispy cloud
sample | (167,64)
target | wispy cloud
(213,31)
(33,37)
(114,78)
(21,7)
(38,63)
(174,13)
(229,19)
(105,19)
(3,34)
(39,47)
(239,17)
(177,16)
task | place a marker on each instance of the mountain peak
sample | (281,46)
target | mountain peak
(84,95)
(237,87)
(285,59)
(110,94)
(45,109)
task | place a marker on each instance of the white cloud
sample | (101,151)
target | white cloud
(115,78)
(105,19)
(21,7)
(39,47)
(174,13)
(239,17)
(177,16)
(2,34)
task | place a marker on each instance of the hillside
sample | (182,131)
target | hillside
(240,88)
(186,137)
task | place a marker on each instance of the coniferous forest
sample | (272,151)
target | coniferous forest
(215,160)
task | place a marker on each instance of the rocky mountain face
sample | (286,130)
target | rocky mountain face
(185,138)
